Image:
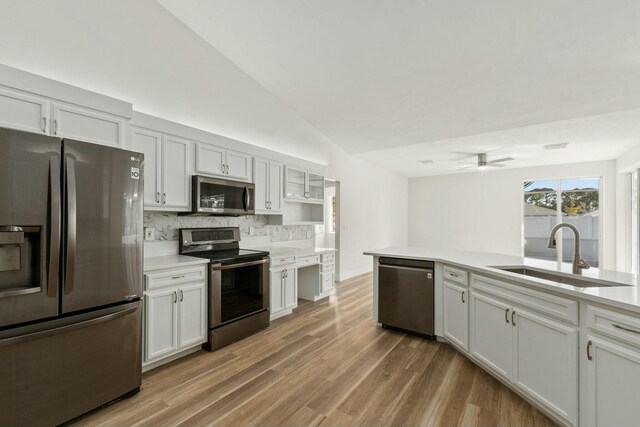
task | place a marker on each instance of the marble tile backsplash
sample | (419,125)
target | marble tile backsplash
(167,224)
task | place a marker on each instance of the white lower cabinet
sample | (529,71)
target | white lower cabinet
(492,334)
(538,355)
(546,362)
(456,314)
(612,378)
(161,319)
(175,313)
(283,291)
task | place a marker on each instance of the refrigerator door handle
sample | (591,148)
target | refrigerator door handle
(54,224)
(71,226)
(63,329)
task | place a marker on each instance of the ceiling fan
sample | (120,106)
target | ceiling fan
(483,164)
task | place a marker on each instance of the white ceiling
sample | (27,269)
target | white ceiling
(418,74)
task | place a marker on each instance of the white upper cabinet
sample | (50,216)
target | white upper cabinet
(267,176)
(35,114)
(303,185)
(213,160)
(23,112)
(210,159)
(175,178)
(166,173)
(150,144)
(83,124)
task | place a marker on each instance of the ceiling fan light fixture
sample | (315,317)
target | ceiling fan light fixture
(561,146)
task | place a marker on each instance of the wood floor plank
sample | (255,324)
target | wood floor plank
(327,364)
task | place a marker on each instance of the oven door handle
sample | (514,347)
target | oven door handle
(242,264)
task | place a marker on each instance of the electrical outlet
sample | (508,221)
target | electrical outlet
(290,235)
(149,233)
(252,231)
(308,234)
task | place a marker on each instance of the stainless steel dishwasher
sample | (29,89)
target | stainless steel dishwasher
(405,295)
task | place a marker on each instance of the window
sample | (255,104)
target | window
(551,202)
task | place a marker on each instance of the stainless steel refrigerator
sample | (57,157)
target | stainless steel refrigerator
(70,277)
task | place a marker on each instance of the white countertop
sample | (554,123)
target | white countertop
(626,297)
(171,261)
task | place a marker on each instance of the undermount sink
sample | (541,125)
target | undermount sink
(566,279)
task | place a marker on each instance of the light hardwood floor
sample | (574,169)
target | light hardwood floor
(327,364)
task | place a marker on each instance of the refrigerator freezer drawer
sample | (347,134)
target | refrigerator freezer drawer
(55,371)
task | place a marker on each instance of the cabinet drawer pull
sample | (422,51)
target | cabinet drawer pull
(589,344)
(177,277)
(463,296)
(513,322)
(456,275)
(506,315)
(625,329)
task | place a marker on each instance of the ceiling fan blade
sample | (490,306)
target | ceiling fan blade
(467,167)
(496,165)
(504,159)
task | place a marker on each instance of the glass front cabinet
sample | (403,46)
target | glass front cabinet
(303,185)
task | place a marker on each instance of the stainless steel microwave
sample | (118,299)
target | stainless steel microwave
(213,196)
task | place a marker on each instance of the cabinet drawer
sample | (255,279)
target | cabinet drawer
(326,283)
(282,260)
(456,275)
(552,305)
(327,266)
(614,324)
(328,257)
(309,260)
(175,276)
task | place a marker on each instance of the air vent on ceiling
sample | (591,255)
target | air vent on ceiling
(556,146)
(426,162)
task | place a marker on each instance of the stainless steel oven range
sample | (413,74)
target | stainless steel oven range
(238,283)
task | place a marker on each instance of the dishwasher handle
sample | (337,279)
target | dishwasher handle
(422,270)
(402,262)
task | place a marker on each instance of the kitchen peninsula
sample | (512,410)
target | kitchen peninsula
(566,349)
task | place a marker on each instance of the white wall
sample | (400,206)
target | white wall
(482,211)
(139,52)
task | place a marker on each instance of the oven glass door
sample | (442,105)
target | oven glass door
(242,291)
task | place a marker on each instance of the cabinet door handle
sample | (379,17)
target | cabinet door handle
(456,275)
(463,296)
(589,344)
(44,124)
(513,322)
(158,197)
(164,198)
(55,127)
(506,315)
(625,329)
(181,295)
(177,277)
(175,297)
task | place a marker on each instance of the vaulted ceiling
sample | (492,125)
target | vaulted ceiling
(383,79)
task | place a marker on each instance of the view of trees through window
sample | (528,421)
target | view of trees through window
(550,202)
